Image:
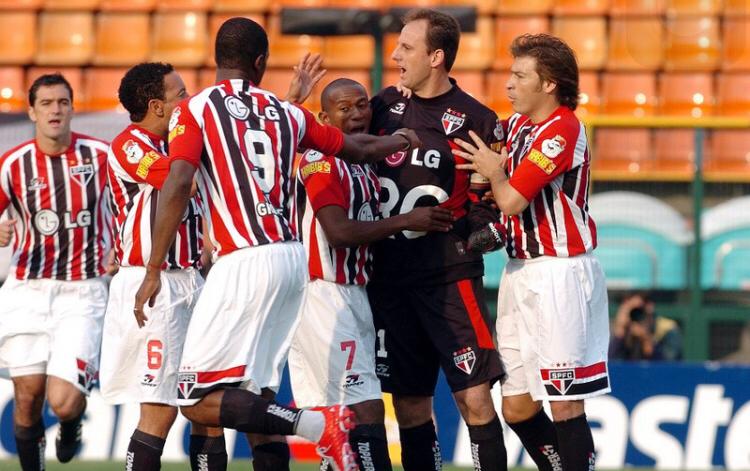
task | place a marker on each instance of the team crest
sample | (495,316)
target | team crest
(464,360)
(398,108)
(87,374)
(37,183)
(82,174)
(185,384)
(453,121)
(553,147)
(498,132)
(562,380)
(236,107)
(133,152)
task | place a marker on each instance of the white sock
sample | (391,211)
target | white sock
(311,425)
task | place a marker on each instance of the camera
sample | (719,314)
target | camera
(637,314)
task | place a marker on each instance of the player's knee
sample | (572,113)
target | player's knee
(566,410)
(65,408)
(369,412)
(412,411)
(28,407)
(190,413)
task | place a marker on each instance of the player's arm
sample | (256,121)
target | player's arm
(6,227)
(306,75)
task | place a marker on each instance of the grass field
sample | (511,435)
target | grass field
(53,465)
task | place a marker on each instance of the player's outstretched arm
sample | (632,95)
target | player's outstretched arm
(306,75)
(365,148)
(344,232)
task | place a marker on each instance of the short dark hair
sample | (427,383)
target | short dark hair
(325,95)
(142,83)
(48,80)
(555,62)
(239,42)
(443,32)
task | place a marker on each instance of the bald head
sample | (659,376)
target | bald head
(332,90)
(346,106)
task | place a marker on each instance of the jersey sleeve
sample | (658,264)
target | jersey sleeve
(322,180)
(492,130)
(326,139)
(5,189)
(185,136)
(551,155)
(140,162)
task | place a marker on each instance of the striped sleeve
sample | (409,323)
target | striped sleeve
(5,191)
(185,136)
(322,183)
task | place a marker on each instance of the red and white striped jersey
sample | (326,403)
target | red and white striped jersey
(138,167)
(243,141)
(324,181)
(549,165)
(61,202)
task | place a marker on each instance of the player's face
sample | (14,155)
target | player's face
(412,55)
(174,92)
(525,88)
(349,110)
(52,111)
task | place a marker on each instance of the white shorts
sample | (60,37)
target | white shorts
(140,364)
(332,359)
(52,327)
(553,328)
(242,325)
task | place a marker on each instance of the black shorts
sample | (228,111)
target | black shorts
(426,327)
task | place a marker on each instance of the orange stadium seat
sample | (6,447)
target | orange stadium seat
(674,153)
(121,38)
(692,43)
(412,3)
(277,6)
(629,93)
(180,38)
(636,7)
(127,5)
(214,23)
(736,8)
(476,50)
(497,93)
(507,28)
(390,40)
(472,82)
(524,7)
(484,7)
(286,50)
(277,81)
(590,98)
(190,79)
(729,159)
(736,44)
(206,78)
(372,4)
(19,37)
(686,94)
(337,52)
(587,36)
(254,6)
(70,4)
(184,5)
(635,44)
(621,153)
(73,75)
(101,86)
(580,7)
(693,7)
(20,4)
(65,38)
(12,90)
(732,94)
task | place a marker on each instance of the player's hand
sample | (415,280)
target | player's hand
(487,239)
(306,75)
(406,92)
(111,266)
(147,294)
(482,159)
(6,232)
(411,136)
(429,218)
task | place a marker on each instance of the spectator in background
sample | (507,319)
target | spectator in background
(742,354)
(640,334)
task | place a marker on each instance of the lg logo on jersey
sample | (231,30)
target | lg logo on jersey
(47,222)
(430,159)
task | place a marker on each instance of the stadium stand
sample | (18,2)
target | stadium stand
(692,43)
(636,7)
(635,43)
(12,90)
(726,245)
(19,37)
(587,35)
(524,7)
(508,28)
(180,38)
(114,48)
(65,38)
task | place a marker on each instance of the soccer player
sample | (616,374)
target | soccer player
(332,358)
(242,140)
(552,325)
(53,302)
(426,289)
(139,362)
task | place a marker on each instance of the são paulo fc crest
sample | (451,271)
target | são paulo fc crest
(82,174)
(562,380)
(87,374)
(185,384)
(464,359)
(452,121)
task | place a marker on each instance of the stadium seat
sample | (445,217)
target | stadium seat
(12,90)
(590,98)
(642,241)
(277,6)
(180,38)
(725,233)
(19,37)
(524,7)
(371,4)
(580,7)
(476,50)
(277,81)
(184,5)
(127,5)
(413,3)
(472,82)
(732,94)
(693,7)
(286,50)
(635,43)
(497,93)
(214,23)
(494,264)
(736,8)
(249,6)
(686,94)
(621,154)
(674,154)
(507,28)
(20,4)
(636,7)
(692,43)
(337,52)
(65,38)
(483,7)
(587,36)
(729,160)
(73,75)
(115,48)
(70,4)
(101,86)
(390,40)
(736,44)
(629,93)
(190,79)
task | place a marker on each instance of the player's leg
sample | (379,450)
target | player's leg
(28,426)
(270,452)
(208,449)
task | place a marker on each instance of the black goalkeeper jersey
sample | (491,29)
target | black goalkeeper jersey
(427,176)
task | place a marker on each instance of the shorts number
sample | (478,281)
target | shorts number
(381,353)
(352,347)
(410,200)
(154,358)
(260,152)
